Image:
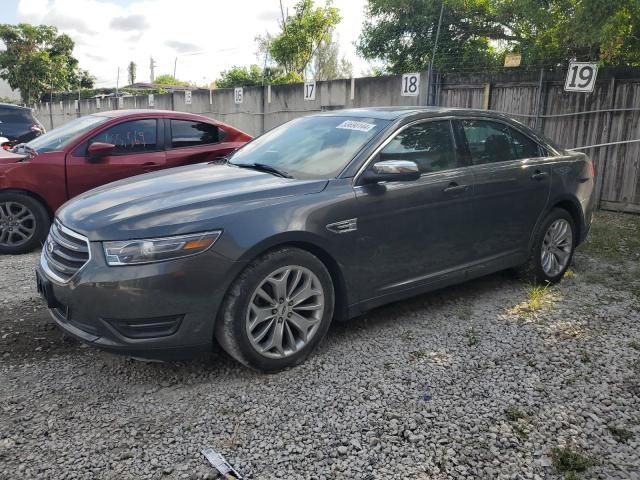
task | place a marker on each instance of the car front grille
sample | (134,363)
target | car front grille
(64,253)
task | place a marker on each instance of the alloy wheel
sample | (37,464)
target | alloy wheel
(17,224)
(556,247)
(285,312)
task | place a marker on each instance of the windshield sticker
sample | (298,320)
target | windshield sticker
(353,125)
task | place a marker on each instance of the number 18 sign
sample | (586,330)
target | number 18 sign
(581,77)
(410,85)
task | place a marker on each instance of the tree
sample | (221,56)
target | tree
(401,33)
(131,73)
(475,34)
(253,76)
(240,77)
(37,59)
(167,79)
(327,65)
(301,34)
(85,79)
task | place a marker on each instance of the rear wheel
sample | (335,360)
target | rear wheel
(277,311)
(553,248)
(24,223)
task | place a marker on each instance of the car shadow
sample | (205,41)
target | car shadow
(461,293)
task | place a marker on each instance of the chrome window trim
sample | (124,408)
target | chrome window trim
(45,265)
(368,161)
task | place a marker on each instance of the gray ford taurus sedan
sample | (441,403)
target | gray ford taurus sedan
(322,218)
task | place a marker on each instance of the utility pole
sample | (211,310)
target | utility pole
(433,55)
(175,65)
(152,65)
(117,82)
(51,102)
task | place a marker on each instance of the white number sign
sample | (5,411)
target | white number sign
(120,102)
(410,85)
(152,100)
(61,106)
(581,77)
(187,97)
(76,105)
(238,95)
(98,103)
(310,90)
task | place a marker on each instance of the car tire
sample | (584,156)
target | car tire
(276,294)
(554,244)
(20,215)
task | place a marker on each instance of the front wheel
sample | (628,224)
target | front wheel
(553,248)
(277,311)
(24,223)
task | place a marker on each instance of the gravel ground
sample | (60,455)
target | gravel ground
(483,380)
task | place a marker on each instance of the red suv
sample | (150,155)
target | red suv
(39,176)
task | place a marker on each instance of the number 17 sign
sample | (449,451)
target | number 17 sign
(581,77)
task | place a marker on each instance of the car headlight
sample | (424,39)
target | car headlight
(149,250)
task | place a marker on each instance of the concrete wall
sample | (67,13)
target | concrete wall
(263,108)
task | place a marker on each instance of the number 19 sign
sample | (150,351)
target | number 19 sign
(581,77)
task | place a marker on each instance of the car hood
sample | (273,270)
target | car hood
(177,201)
(8,157)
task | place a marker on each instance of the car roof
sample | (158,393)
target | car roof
(394,113)
(144,112)
(11,106)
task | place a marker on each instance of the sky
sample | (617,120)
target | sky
(206,36)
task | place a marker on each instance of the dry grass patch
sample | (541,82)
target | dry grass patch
(538,298)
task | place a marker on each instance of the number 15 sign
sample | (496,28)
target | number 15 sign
(581,77)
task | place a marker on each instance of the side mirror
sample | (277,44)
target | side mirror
(392,171)
(98,150)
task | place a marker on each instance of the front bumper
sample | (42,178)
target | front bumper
(160,310)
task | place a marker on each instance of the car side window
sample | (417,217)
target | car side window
(524,147)
(488,142)
(135,136)
(186,133)
(430,145)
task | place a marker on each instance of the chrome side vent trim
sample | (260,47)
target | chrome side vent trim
(344,226)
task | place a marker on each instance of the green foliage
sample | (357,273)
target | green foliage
(86,80)
(621,434)
(475,34)
(402,33)
(254,75)
(514,414)
(37,60)
(167,79)
(566,460)
(240,77)
(294,47)
(7,100)
(131,72)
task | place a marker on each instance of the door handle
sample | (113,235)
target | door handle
(454,188)
(150,166)
(538,175)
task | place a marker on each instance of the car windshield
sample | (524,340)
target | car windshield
(15,115)
(310,147)
(59,137)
